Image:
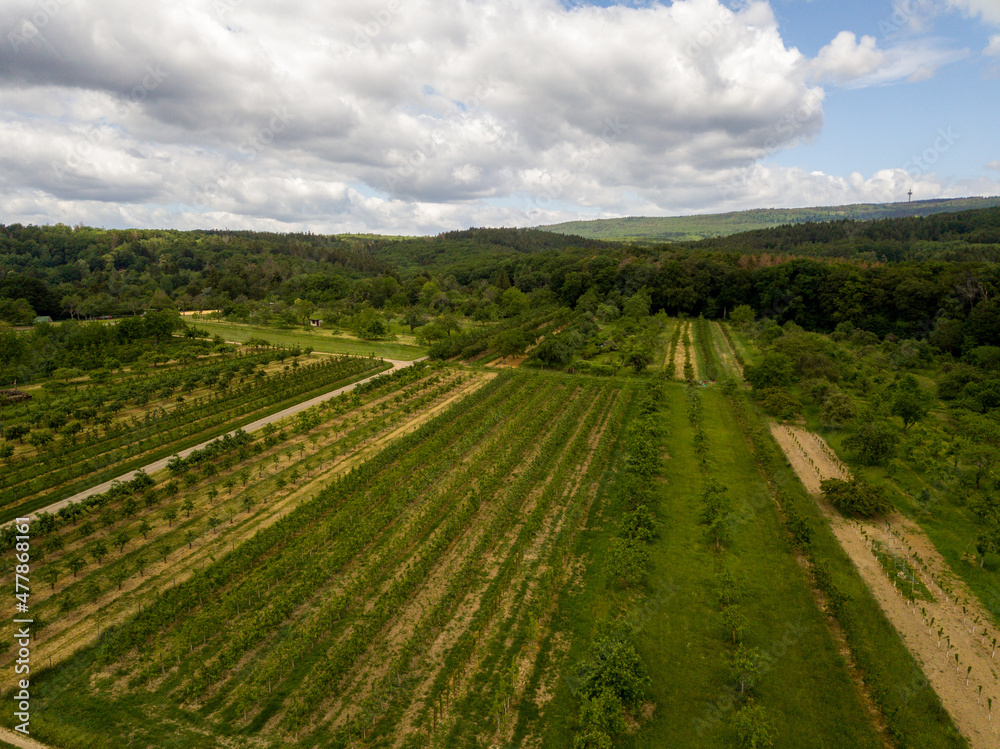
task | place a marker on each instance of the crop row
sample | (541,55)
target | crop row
(423,514)
(126,443)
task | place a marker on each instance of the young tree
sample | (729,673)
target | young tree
(121,539)
(51,574)
(118,576)
(75,564)
(753,729)
(187,505)
(97,549)
(170,515)
(144,528)
(745,665)
(909,401)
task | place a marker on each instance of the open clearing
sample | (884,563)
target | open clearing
(948,635)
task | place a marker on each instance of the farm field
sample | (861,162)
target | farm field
(140,417)
(319,340)
(917,590)
(743,494)
(424,562)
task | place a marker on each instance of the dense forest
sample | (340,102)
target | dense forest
(931,279)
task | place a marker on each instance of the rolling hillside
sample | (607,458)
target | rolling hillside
(691,228)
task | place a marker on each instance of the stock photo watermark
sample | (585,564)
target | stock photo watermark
(430,147)
(252,147)
(922,163)
(554,186)
(83,152)
(28,30)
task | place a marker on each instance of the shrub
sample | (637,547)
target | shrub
(778,402)
(856,498)
(628,561)
(639,525)
(874,442)
(614,667)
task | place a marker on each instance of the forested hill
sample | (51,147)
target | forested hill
(693,228)
(948,275)
(969,235)
(458,251)
(88,272)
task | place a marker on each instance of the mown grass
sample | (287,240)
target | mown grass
(680,634)
(319,340)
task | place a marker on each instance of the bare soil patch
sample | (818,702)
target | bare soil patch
(18,740)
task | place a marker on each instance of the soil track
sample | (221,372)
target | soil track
(725,351)
(953,625)
(23,742)
(684,353)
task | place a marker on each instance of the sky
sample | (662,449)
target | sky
(423,116)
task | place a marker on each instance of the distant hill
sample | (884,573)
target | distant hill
(693,228)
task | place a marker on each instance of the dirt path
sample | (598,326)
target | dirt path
(678,355)
(19,740)
(952,626)
(725,351)
(159,465)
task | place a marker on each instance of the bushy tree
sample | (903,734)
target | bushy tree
(613,666)
(910,402)
(510,342)
(773,370)
(628,561)
(743,315)
(874,442)
(639,525)
(857,497)
(838,409)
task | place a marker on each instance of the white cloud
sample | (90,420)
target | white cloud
(994,165)
(846,59)
(410,117)
(265,111)
(988,10)
(993,48)
(853,63)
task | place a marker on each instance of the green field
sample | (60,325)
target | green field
(458,607)
(318,340)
